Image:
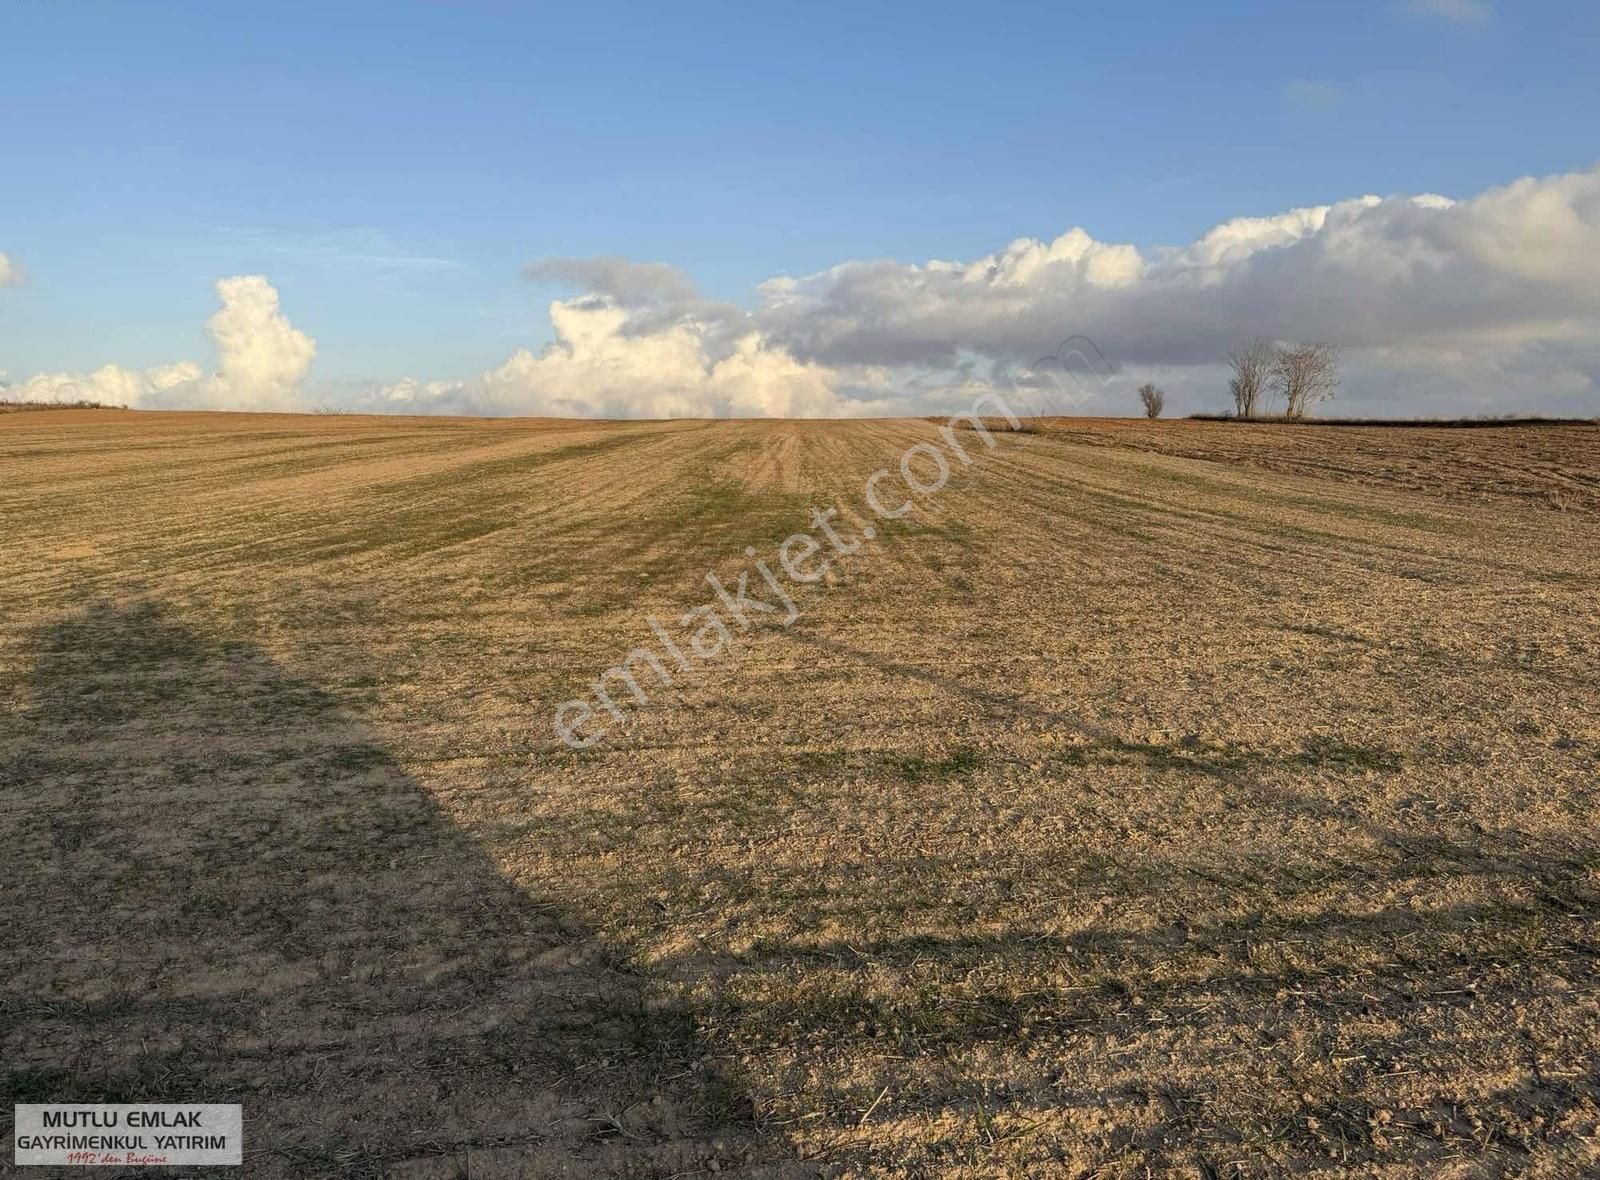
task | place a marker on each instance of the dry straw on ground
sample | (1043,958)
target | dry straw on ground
(1168,798)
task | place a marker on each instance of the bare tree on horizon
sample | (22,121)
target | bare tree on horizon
(1307,373)
(1252,364)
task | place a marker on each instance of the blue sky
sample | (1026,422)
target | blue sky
(390,167)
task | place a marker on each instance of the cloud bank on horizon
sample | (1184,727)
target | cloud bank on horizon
(262,363)
(1484,305)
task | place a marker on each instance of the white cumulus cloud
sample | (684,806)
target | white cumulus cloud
(262,360)
(1441,306)
(10,272)
(110,385)
(1488,303)
(601,364)
(1394,280)
(1515,262)
(261,357)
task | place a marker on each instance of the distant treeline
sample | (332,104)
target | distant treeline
(8,407)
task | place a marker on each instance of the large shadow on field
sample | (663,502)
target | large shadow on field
(219,887)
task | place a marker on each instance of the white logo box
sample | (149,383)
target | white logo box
(124,1135)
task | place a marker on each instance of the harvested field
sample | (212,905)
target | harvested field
(1156,798)
(1557,464)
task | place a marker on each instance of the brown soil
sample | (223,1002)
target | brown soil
(1155,799)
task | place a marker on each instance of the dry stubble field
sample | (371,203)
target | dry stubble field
(1184,798)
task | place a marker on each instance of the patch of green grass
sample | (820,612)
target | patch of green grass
(1422,521)
(963,760)
(406,518)
(355,759)
(705,529)
(820,761)
(1317,751)
(1322,750)
(478,474)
